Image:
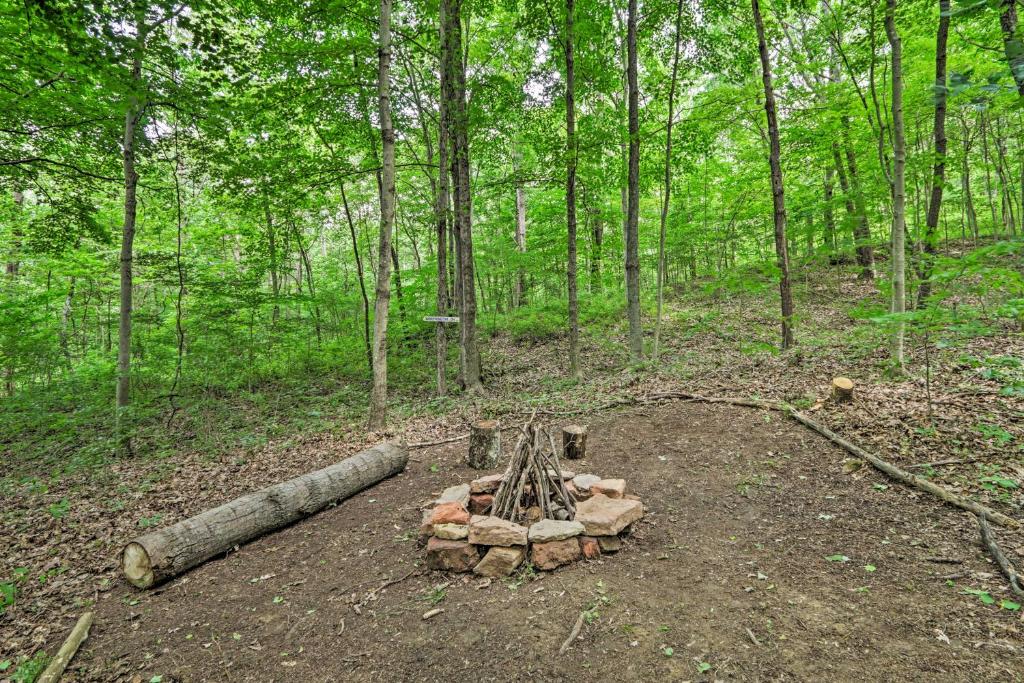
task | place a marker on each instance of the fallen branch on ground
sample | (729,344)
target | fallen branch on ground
(883,466)
(574,633)
(989,539)
(67,651)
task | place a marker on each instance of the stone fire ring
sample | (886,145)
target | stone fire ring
(460,538)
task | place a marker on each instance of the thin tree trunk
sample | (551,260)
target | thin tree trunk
(827,215)
(379,393)
(362,279)
(899,301)
(939,168)
(131,181)
(636,341)
(861,229)
(275,285)
(441,218)
(778,196)
(570,190)
(456,67)
(519,288)
(667,191)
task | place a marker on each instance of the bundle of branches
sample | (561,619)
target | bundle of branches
(533,478)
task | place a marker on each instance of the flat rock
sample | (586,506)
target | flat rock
(551,530)
(604,516)
(488,484)
(609,544)
(449,513)
(554,554)
(492,530)
(454,494)
(453,556)
(583,482)
(613,488)
(480,503)
(452,532)
(566,474)
(500,561)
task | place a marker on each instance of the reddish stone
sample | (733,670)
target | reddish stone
(453,556)
(590,547)
(480,503)
(554,554)
(449,513)
(613,488)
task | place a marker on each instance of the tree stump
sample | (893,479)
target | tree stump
(484,445)
(574,442)
(842,390)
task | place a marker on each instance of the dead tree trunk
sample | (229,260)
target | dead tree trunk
(161,555)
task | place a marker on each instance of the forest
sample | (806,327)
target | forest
(242,240)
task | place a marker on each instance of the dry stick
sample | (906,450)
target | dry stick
(876,462)
(59,663)
(574,633)
(989,539)
(426,444)
(904,476)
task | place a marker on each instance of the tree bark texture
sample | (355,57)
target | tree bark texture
(379,393)
(163,554)
(778,196)
(636,342)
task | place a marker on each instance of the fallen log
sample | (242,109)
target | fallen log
(59,663)
(989,540)
(165,553)
(882,466)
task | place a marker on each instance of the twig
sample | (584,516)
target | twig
(426,444)
(989,540)
(79,633)
(391,582)
(753,638)
(574,633)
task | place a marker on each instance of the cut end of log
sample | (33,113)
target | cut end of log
(842,389)
(136,565)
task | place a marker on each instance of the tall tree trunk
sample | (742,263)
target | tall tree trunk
(1013,50)
(519,288)
(861,229)
(827,215)
(778,196)
(667,188)
(275,285)
(570,190)
(362,278)
(131,181)
(939,167)
(899,294)
(441,219)
(636,341)
(456,69)
(379,393)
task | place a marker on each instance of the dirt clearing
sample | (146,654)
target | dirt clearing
(758,560)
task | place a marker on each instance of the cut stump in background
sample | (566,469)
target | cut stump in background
(163,554)
(842,390)
(484,445)
(574,442)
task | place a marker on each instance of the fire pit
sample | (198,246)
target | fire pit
(535,509)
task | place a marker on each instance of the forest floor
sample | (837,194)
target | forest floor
(744,509)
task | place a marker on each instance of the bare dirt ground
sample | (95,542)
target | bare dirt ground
(727,577)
